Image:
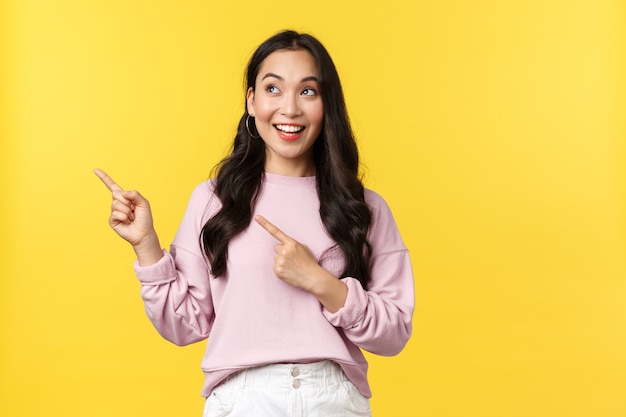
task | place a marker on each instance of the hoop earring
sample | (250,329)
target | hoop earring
(248,129)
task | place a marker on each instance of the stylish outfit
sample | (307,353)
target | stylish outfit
(251,318)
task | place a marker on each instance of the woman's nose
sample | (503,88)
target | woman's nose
(290,105)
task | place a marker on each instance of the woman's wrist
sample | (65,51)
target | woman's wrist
(148,250)
(330,291)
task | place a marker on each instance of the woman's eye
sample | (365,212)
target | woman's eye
(309,92)
(271,89)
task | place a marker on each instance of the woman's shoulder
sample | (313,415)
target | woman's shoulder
(383,227)
(375,201)
(206,188)
(203,194)
(381,212)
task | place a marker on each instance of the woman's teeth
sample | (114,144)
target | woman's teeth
(289,128)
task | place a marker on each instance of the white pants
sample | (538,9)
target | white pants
(318,389)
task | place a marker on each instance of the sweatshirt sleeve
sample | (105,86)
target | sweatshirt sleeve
(176,290)
(379,320)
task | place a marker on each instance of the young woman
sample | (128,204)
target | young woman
(284,261)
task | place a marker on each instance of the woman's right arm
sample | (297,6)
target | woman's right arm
(175,285)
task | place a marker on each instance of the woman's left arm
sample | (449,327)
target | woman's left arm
(379,319)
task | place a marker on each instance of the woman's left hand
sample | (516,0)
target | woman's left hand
(295,264)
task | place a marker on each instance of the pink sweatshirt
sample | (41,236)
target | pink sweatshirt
(251,317)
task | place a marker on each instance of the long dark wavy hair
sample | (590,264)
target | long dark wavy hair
(343,210)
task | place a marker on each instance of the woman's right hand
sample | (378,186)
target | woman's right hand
(131,218)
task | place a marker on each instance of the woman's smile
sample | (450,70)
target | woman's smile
(289,132)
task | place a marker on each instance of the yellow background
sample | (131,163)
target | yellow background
(495,130)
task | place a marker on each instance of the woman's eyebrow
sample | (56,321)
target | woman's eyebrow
(271,74)
(310,78)
(278,77)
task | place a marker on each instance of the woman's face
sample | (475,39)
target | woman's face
(288,111)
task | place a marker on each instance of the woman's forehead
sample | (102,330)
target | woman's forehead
(288,64)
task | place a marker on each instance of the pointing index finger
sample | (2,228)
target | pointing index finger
(108,181)
(272,230)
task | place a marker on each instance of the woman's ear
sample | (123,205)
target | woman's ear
(250,101)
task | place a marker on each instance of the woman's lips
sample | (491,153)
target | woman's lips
(289,132)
